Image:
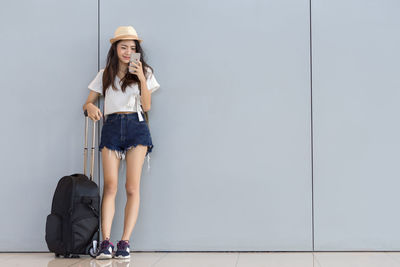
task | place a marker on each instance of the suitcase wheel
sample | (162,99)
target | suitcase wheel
(92,253)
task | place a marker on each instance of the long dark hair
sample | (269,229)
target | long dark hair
(111,69)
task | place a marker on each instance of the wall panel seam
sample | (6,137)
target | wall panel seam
(311,132)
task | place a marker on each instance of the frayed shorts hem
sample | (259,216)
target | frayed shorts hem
(121,154)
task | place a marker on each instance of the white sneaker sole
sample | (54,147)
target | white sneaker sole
(103,256)
(122,257)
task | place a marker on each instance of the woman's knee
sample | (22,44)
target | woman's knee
(131,190)
(110,189)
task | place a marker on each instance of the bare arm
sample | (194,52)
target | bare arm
(93,111)
(91,98)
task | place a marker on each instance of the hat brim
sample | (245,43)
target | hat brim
(125,37)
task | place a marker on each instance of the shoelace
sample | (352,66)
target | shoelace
(104,244)
(122,245)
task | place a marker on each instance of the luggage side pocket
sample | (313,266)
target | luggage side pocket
(54,233)
(82,232)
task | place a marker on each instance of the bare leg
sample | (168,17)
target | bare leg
(110,171)
(134,163)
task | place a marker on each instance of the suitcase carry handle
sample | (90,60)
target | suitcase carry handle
(85,151)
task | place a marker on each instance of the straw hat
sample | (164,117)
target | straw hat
(125,33)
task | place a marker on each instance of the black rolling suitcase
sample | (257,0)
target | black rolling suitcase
(72,228)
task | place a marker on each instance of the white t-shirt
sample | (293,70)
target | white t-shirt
(118,101)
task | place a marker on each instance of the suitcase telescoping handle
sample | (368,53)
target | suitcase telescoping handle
(86,146)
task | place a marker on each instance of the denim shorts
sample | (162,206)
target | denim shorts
(121,132)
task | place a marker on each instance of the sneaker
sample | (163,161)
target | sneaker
(123,251)
(105,251)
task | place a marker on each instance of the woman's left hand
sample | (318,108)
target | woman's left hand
(136,68)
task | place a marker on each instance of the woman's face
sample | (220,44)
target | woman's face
(124,50)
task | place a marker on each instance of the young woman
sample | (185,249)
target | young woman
(127,88)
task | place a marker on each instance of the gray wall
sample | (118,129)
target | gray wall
(356,109)
(225,124)
(47,59)
(250,154)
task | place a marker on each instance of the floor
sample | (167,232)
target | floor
(211,259)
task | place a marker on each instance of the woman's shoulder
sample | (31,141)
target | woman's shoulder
(100,74)
(149,72)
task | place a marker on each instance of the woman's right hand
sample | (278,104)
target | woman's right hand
(93,112)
